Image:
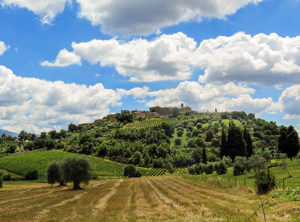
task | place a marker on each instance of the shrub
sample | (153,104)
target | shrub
(7,177)
(199,125)
(178,141)
(257,162)
(220,168)
(130,171)
(264,182)
(208,168)
(179,133)
(227,160)
(0,180)
(31,175)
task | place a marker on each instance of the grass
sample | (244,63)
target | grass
(40,160)
(167,198)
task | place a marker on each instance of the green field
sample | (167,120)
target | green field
(248,178)
(20,164)
(151,123)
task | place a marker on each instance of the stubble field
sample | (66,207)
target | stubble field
(167,198)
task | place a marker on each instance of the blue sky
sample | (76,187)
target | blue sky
(76,61)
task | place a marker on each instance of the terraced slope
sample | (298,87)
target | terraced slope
(144,199)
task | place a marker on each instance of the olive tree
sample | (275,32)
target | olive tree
(54,174)
(76,170)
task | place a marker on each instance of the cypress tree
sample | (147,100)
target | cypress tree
(204,157)
(223,147)
(292,146)
(235,142)
(248,140)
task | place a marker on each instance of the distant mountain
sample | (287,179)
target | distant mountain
(7,133)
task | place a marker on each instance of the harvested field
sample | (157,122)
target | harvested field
(167,198)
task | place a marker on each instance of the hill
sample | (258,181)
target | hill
(7,133)
(21,163)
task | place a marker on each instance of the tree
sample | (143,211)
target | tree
(31,175)
(204,157)
(169,129)
(235,142)
(248,140)
(264,182)
(76,170)
(288,141)
(223,147)
(125,117)
(209,136)
(131,171)
(0,180)
(174,112)
(54,174)
(136,158)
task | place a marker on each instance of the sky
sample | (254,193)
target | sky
(75,61)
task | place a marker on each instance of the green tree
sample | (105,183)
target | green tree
(288,141)
(204,156)
(223,148)
(174,112)
(235,142)
(209,136)
(125,117)
(131,171)
(76,170)
(248,140)
(54,174)
(136,158)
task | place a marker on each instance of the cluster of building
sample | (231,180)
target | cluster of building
(154,112)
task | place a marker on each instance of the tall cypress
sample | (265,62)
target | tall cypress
(223,148)
(248,140)
(292,146)
(204,157)
(235,142)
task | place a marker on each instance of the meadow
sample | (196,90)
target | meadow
(164,198)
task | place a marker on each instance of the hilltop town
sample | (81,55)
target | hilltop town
(154,112)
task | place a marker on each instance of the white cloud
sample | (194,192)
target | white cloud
(260,59)
(142,17)
(63,59)
(164,58)
(3,47)
(47,9)
(230,97)
(34,104)
(289,102)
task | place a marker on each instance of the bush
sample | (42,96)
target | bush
(7,177)
(238,168)
(264,182)
(31,175)
(208,168)
(227,160)
(0,180)
(130,171)
(179,133)
(220,168)
(178,141)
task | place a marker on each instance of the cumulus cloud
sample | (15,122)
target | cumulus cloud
(142,17)
(164,58)
(134,17)
(46,9)
(3,47)
(63,59)
(34,104)
(226,97)
(289,102)
(261,59)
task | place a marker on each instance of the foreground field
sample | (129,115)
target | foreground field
(168,198)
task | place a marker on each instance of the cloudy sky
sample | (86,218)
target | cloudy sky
(64,61)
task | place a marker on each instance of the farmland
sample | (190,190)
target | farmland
(151,123)
(23,162)
(167,198)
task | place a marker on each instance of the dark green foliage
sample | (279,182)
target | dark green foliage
(31,175)
(178,141)
(238,169)
(209,136)
(288,141)
(169,129)
(6,177)
(215,142)
(174,112)
(235,143)
(227,161)
(125,117)
(204,156)
(208,168)
(130,171)
(248,140)
(220,167)
(76,170)
(136,158)
(72,127)
(257,162)
(54,174)
(264,182)
(223,148)
(179,133)
(0,180)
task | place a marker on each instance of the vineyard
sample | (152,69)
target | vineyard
(149,123)
(40,160)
